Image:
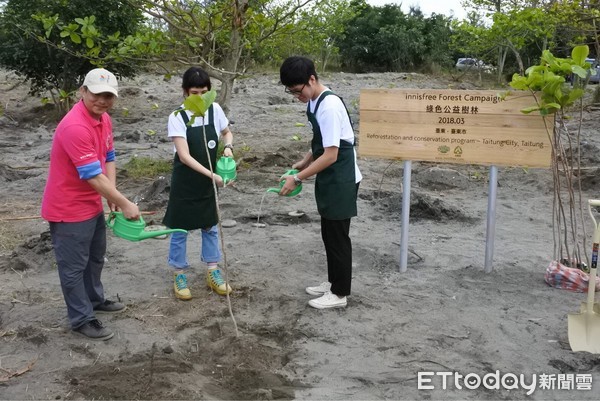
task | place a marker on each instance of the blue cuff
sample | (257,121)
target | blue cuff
(110,156)
(89,170)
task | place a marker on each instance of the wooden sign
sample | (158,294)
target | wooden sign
(453,126)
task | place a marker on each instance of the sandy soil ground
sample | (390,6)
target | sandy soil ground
(443,315)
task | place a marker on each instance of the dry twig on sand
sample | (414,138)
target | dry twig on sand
(10,374)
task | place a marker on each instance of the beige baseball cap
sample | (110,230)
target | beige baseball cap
(100,80)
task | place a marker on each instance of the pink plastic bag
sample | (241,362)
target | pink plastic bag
(568,278)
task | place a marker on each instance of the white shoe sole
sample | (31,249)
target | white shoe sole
(320,306)
(315,293)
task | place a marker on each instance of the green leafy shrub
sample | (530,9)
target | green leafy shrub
(147,167)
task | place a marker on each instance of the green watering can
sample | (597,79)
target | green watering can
(133,230)
(296,190)
(226,168)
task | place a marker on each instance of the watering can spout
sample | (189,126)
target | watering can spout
(151,234)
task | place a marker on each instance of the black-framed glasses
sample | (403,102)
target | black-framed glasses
(294,92)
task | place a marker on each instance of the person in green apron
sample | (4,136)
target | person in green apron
(192,203)
(332,159)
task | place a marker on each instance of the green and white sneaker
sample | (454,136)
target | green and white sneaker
(180,287)
(215,282)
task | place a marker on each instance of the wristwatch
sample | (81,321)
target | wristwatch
(228,146)
(297,180)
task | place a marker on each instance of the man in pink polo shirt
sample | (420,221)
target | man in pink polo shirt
(82,171)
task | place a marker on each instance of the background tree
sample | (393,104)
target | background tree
(518,31)
(56,44)
(471,38)
(53,63)
(217,34)
(318,29)
(386,39)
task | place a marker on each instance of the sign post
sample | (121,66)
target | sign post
(407,171)
(452,126)
(490,232)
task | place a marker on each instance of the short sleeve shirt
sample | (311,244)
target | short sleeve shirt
(335,124)
(79,140)
(177,128)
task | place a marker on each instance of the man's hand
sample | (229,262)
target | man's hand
(131,211)
(111,206)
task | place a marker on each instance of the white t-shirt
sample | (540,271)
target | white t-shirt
(177,128)
(335,124)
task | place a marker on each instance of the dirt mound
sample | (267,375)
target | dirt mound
(35,254)
(422,207)
(10,174)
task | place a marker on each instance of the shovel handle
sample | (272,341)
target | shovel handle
(594,202)
(592,281)
(595,246)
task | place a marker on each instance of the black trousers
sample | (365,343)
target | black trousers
(79,249)
(338,247)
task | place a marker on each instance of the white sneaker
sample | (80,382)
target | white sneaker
(328,300)
(320,289)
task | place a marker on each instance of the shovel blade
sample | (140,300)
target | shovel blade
(584,332)
(595,308)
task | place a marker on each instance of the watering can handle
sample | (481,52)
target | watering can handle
(111,220)
(291,172)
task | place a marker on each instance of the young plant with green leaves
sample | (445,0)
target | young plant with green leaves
(199,104)
(555,98)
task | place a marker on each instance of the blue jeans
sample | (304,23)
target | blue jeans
(211,252)
(79,249)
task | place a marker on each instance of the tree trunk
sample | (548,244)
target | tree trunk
(518,57)
(232,58)
(502,52)
(224,96)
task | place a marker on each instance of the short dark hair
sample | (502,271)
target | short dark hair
(195,77)
(297,70)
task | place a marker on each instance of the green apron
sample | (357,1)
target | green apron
(192,197)
(335,187)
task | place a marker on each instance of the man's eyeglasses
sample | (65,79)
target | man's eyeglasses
(294,92)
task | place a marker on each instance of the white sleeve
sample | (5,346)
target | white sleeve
(176,126)
(330,121)
(221,122)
